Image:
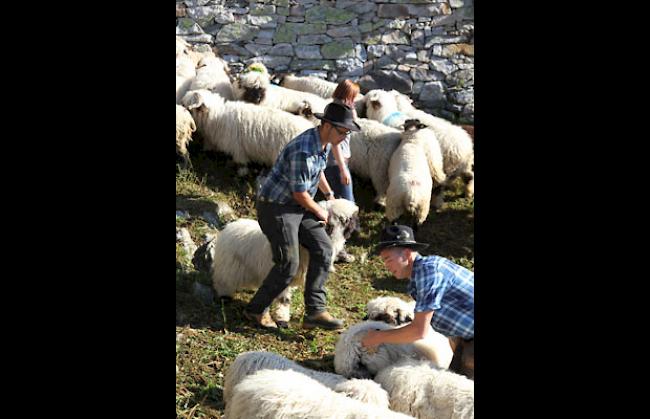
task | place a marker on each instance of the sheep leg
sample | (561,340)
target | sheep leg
(380,183)
(186,163)
(438,195)
(242,170)
(468,178)
(282,312)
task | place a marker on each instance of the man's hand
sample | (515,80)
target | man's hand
(323,215)
(345,179)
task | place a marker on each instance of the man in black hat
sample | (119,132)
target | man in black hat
(289,217)
(443,292)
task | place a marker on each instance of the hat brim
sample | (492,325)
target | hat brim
(352,126)
(409,245)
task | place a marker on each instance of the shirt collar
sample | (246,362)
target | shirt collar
(416,263)
(316,146)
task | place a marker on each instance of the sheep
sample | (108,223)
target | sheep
(418,388)
(254,86)
(381,105)
(185,49)
(456,145)
(315,85)
(469,129)
(212,74)
(181,46)
(371,150)
(185,73)
(354,361)
(185,126)
(244,131)
(391,310)
(275,394)
(318,86)
(243,257)
(415,166)
(395,311)
(248,363)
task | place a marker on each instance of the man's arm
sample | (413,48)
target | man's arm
(304,199)
(324,186)
(336,150)
(416,330)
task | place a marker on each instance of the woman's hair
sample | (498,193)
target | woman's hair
(346,91)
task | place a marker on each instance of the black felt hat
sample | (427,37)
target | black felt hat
(398,236)
(339,115)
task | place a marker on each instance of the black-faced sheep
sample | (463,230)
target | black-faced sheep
(243,257)
(244,131)
(415,166)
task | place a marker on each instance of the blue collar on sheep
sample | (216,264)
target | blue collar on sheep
(394,115)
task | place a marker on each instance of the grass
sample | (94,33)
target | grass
(209,337)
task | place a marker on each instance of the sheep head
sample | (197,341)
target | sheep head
(278,78)
(413,125)
(305,109)
(373,98)
(343,217)
(197,100)
(391,310)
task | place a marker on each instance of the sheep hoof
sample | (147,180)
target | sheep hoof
(282,324)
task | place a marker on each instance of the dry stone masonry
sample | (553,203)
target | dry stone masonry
(423,48)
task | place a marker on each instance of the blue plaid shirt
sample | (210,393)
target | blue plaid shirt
(297,168)
(446,288)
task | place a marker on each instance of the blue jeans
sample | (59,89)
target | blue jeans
(333,177)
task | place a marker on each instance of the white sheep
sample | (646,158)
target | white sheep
(184,48)
(244,131)
(391,310)
(455,143)
(181,46)
(254,86)
(395,311)
(185,72)
(212,74)
(352,360)
(415,166)
(185,126)
(371,150)
(418,388)
(248,363)
(319,87)
(275,394)
(381,106)
(315,85)
(243,257)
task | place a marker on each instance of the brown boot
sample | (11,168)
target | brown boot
(263,320)
(324,320)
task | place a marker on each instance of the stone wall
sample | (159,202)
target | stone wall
(424,48)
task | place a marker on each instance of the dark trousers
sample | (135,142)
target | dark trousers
(287,227)
(463,360)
